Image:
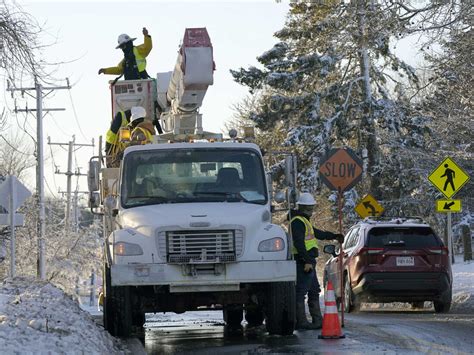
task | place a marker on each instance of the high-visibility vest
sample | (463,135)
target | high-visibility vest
(141,61)
(111,137)
(147,133)
(310,240)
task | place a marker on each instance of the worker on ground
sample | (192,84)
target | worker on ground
(305,250)
(113,146)
(142,129)
(133,65)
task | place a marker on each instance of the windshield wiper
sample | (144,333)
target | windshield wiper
(233,195)
(148,200)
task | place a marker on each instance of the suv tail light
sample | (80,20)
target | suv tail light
(371,255)
(438,250)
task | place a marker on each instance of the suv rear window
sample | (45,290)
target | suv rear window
(407,237)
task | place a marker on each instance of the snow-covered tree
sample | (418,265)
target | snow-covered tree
(450,104)
(69,255)
(333,80)
(19,42)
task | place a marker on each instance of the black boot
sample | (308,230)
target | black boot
(301,320)
(315,311)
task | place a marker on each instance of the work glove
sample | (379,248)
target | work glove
(340,238)
(308,268)
(101,71)
(145,31)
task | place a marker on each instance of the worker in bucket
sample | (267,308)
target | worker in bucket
(305,250)
(142,129)
(113,146)
(133,65)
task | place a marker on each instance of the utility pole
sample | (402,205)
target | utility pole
(75,202)
(69,173)
(38,89)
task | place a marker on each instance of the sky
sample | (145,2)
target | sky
(84,35)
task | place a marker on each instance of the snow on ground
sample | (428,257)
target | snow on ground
(463,286)
(37,317)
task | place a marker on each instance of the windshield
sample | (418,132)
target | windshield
(193,175)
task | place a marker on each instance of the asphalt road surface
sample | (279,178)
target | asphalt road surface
(391,330)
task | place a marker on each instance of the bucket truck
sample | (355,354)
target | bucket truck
(187,220)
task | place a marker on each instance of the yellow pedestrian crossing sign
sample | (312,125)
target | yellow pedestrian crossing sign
(369,206)
(448,177)
(448,206)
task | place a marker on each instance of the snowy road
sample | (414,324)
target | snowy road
(388,331)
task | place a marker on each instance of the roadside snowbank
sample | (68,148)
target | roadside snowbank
(36,317)
(463,286)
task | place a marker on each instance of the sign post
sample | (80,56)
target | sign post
(448,178)
(12,228)
(12,195)
(340,169)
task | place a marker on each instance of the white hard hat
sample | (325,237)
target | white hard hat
(306,199)
(137,112)
(124,38)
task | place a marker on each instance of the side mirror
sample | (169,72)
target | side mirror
(330,249)
(93,175)
(94,199)
(279,197)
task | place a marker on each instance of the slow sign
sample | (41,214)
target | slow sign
(340,169)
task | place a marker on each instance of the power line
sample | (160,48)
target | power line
(75,115)
(49,189)
(12,147)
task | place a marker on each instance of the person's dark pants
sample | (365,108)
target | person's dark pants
(306,283)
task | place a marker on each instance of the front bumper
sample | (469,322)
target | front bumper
(391,287)
(232,275)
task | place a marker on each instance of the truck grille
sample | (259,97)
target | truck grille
(200,245)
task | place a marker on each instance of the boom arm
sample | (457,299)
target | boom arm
(180,93)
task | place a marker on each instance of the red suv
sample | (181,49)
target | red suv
(392,260)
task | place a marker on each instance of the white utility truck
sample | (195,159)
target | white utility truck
(188,219)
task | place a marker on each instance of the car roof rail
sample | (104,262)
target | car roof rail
(397,220)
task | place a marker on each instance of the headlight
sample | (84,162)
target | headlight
(127,249)
(274,244)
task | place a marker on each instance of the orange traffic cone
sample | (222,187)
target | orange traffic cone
(331,326)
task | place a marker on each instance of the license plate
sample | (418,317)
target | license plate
(405,261)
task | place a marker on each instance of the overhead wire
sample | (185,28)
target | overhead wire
(49,188)
(54,166)
(12,147)
(75,115)
(57,125)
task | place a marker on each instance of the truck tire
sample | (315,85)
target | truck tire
(117,308)
(444,304)
(254,316)
(280,312)
(233,315)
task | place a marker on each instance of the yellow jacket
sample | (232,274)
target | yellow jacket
(143,49)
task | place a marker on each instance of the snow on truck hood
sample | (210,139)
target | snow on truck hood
(187,215)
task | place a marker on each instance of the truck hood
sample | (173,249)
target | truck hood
(146,219)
